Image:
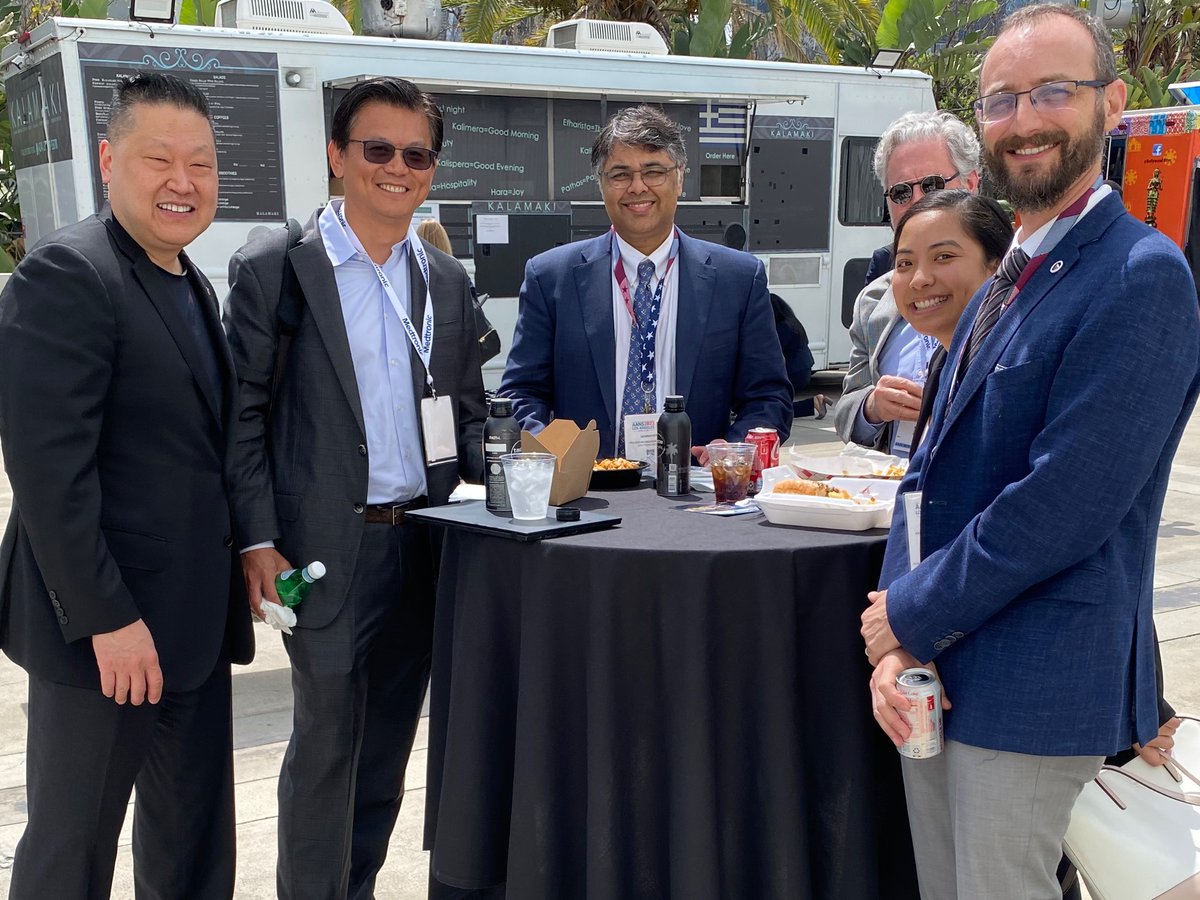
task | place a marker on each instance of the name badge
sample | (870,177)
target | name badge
(912,524)
(437,427)
(641,437)
(902,438)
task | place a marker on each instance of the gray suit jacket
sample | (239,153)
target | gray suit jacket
(875,318)
(300,467)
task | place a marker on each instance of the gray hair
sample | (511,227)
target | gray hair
(640,126)
(1106,59)
(924,126)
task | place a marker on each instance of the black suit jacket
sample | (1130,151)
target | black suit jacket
(300,468)
(115,446)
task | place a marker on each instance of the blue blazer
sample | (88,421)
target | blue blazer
(1042,480)
(728,365)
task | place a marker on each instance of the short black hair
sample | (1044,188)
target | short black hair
(982,218)
(392,91)
(148,88)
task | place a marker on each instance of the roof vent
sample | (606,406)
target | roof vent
(606,37)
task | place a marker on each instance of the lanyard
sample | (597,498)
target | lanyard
(1066,219)
(422,343)
(927,345)
(645,333)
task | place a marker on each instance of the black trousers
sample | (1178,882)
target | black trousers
(85,754)
(357,685)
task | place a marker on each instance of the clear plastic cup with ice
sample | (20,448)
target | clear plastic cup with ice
(529,477)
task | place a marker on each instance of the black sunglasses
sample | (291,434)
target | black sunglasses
(903,192)
(381,152)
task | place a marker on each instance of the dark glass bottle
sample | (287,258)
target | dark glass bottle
(674,449)
(500,435)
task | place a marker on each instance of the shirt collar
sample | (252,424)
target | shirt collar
(631,256)
(1033,243)
(341,244)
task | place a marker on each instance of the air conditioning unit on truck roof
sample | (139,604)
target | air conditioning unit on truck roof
(610,37)
(308,16)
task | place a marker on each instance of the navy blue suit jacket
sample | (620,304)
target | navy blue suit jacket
(1042,480)
(728,364)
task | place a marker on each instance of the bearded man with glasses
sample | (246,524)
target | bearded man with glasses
(376,408)
(1028,575)
(918,154)
(609,326)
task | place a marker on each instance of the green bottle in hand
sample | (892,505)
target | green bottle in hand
(293,585)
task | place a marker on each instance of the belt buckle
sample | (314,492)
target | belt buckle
(398,510)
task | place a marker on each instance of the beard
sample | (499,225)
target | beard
(1033,191)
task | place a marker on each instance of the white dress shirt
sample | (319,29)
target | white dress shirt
(664,343)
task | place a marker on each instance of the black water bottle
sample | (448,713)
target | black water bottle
(674,448)
(500,435)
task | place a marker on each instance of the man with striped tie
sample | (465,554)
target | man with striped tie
(609,326)
(1021,557)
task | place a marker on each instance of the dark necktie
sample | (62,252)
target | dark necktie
(993,304)
(638,371)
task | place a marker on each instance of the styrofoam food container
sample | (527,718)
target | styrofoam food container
(828,512)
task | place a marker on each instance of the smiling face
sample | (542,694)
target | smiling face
(381,197)
(642,215)
(939,267)
(1041,158)
(918,159)
(161,174)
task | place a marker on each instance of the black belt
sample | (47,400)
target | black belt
(391,513)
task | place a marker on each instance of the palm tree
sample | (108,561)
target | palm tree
(1161,45)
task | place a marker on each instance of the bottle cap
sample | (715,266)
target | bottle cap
(567,514)
(500,406)
(674,403)
(316,569)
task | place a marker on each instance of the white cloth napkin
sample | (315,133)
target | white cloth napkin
(278,617)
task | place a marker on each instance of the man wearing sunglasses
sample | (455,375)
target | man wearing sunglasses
(376,408)
(1028,575)
(609,326)
(918,154)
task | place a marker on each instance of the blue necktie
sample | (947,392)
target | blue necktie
(634,399)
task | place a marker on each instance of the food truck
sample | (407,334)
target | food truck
(779,154)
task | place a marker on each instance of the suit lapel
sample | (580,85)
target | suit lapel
(697,284)
(211,310)
(1091,228)
(593,289)
(147,277)
(314,278)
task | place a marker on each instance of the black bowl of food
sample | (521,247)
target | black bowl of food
(613,474)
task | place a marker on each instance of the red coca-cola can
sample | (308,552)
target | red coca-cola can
(767,457)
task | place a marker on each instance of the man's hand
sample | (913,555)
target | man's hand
(893,399)
(887,703)
(876,630)
(259,568)
(1158,750)
(128,664)
(701,453)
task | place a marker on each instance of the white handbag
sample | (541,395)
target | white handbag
(1135,830)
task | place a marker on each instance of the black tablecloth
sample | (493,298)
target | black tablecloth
(675,708)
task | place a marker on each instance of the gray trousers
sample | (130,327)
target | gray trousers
(988,823)
(358,684)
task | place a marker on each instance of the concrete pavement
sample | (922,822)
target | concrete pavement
(262,706)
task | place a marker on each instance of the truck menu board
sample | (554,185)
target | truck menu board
(493,148)
(243,95)
(37,113)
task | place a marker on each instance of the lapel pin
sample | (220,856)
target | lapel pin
(1057,265)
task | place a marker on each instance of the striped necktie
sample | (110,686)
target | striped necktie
(993,304)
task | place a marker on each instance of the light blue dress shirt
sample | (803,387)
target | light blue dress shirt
(382,361)
(903,354)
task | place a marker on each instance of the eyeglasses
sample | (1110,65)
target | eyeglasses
(652,176)
(1054,95)
(381,152)
(901,192)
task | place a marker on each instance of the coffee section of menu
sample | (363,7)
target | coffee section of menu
(502,148)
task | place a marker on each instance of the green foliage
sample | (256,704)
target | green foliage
(1160,46)
(196,12)
(705,35)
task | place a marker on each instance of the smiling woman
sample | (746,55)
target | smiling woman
(947,245)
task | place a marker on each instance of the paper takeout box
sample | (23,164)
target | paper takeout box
(576,449)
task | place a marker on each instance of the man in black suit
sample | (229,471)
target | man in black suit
(378,408)
(117,573)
